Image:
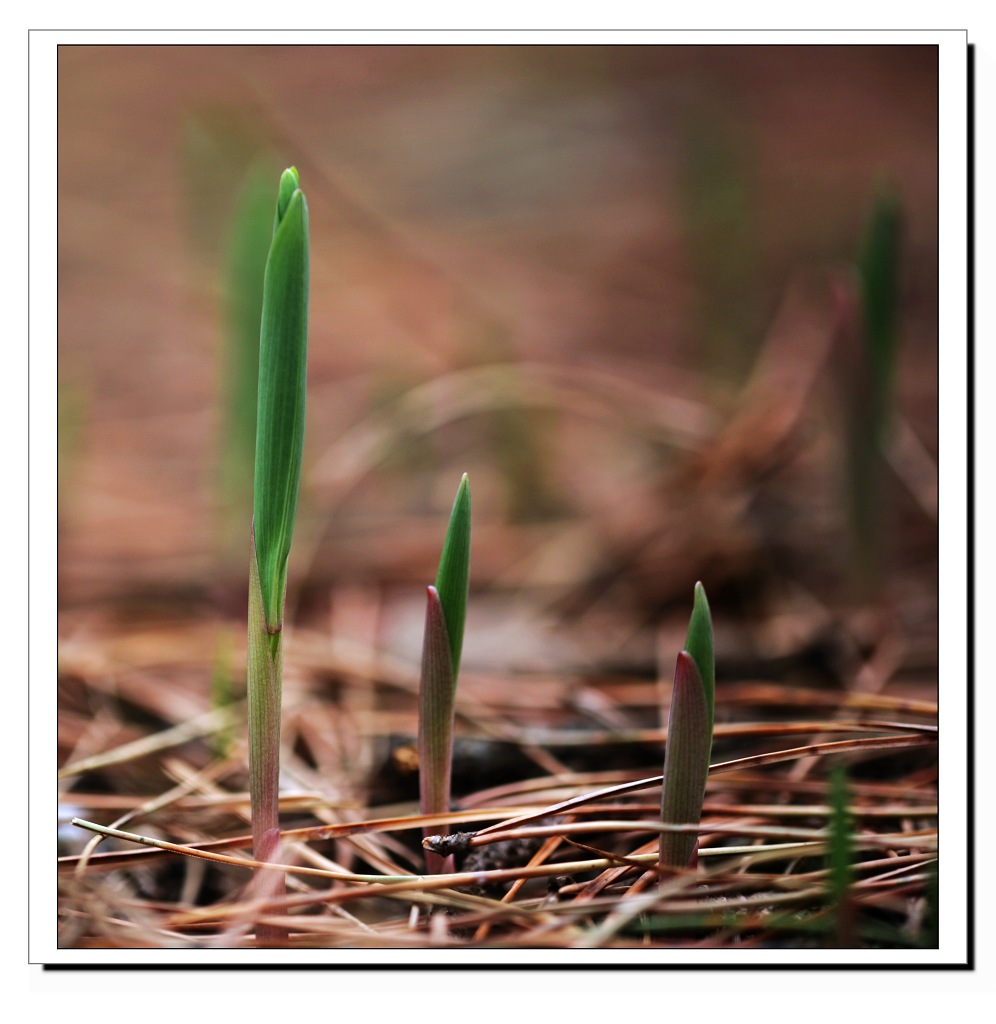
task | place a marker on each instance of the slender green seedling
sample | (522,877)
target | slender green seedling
(446,612)
(689,737)
(283,354)
(840,871)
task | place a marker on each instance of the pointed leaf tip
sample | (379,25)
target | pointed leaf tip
(290,182)
(699,643)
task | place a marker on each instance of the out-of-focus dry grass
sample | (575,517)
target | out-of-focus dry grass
(599,280)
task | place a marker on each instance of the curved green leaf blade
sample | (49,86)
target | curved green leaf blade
(453,577)
(283,358)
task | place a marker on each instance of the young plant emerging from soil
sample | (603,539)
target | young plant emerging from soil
(283,357)
(689,737)
(446,611)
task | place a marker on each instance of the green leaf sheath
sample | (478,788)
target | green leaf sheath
(283,358)
(699,644)
(453,578)
(436,695)
(263,692)
(686,763)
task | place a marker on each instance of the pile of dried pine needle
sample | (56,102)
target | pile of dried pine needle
(556,818)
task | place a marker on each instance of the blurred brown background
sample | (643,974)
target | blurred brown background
(599,279)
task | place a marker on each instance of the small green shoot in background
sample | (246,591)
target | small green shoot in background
(689,737)
(868,314)
(283,356)
(245,266)
(840,854)
(878,273)
(218,143)
(223,690)
(717,173)
(446,613)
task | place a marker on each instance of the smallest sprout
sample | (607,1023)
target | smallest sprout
(446,612)
(689,738)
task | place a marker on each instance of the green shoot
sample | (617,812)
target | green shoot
(446,612)
(453,575)
(839,860)
(699,644)
(279,444)
(689,738)
(283,358)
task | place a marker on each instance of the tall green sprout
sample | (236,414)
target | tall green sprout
(446,612)
(283,356)
(689,737)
